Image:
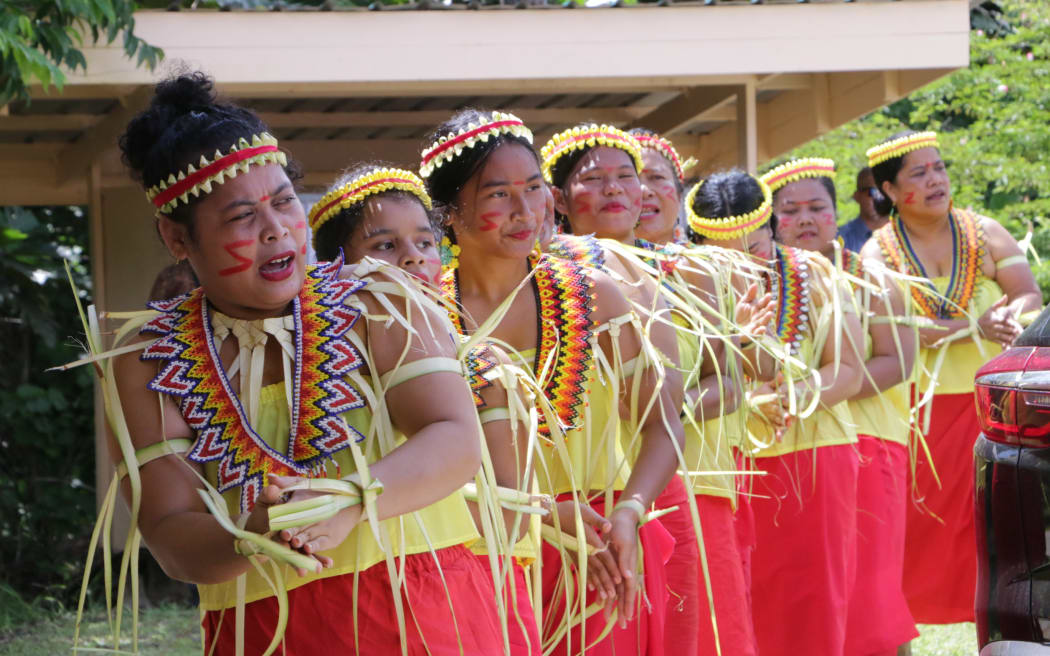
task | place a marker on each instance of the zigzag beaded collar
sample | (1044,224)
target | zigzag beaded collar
(193,372)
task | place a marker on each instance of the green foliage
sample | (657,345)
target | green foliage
(47,435)
(993,119)
(39,37)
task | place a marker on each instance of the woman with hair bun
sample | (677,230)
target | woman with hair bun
(804,504)
(572,326)
(278,386)
(975,275)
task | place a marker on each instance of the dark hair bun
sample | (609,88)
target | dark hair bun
(728,193)
(184,121)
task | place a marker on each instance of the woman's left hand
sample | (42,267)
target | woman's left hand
(319,536)
(623,543)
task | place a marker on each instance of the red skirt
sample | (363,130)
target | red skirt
(736,633)
(644,634)
(321,614)
(522,630)
(879,620)
(744,519)
(682,569)
(806,549)
(940,543)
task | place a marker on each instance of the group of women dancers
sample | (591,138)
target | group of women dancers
(520,407)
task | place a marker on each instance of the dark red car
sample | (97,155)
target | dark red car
(1013,497)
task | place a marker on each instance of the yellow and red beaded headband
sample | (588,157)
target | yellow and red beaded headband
(666,148)
(262,149)
(731,226)
(799,169)
(900,147)
(588,136)
(449,146)
(363,186)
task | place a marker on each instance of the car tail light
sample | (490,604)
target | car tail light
(1013,397)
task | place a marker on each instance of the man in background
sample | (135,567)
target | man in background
(859,230)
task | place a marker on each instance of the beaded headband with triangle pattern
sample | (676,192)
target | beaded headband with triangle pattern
(900,147)
(731,226)
(666,148)
(588,136)
(449,146)
(363,186)
(799,169)
(259,150)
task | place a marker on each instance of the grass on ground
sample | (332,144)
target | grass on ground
(164,630)
(174,631)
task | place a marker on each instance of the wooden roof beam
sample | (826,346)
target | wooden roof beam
(381,119)
(47,122)
(690,106)
(77,157)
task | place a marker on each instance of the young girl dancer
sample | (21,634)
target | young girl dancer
(385,213)
(805,504)
(574,328)
(804,206)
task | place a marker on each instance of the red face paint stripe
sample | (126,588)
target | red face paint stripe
(245,263)
(910,198)
(486,221)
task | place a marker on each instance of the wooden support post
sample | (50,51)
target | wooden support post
(747,128)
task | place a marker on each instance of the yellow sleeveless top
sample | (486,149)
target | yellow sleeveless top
(825,426)
(708,445)
(964,357)
(443,524)
(883,415)
(596,459)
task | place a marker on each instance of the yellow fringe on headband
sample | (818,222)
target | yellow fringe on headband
(732,226)
(667,149)
(449,146)
(262,149)
(899,147)
(798,169)
(363,186)
(589,136)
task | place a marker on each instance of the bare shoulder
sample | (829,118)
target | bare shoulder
(873,251)
(609,301)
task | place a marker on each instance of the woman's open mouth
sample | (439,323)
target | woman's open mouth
(278,268)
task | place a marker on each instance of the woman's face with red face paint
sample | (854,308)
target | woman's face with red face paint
(806,217)
(500,210)
(660,199)
(249,245)
(396,230)
(602,194)
(922,187)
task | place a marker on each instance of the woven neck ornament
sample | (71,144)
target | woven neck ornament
(790,288)
(799,169)
(667,150)
(195,180)
(967,253)
(900,147)
(193,372)
(586,137)
(563,297)
(450,146)
(360,188)
(731,226)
